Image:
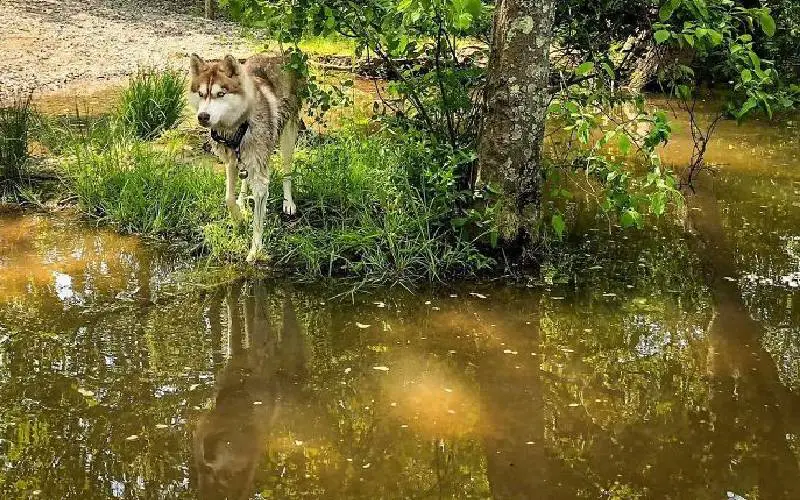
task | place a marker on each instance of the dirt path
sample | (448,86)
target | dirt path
(48,45)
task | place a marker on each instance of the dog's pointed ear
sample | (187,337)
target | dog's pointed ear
(196,64)
(231,66)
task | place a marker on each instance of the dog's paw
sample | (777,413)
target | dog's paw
(289,208)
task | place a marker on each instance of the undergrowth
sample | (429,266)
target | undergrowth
(378,208)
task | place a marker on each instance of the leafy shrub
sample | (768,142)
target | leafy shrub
(153,102)
(15,121)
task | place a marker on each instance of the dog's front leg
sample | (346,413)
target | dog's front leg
(242,201)
(260,186)
(231,174)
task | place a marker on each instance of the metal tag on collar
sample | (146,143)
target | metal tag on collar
(242,171)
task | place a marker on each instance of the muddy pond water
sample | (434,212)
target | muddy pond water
(650,366)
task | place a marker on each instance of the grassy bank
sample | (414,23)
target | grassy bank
(373,207)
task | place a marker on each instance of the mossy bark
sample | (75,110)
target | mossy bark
(517,96)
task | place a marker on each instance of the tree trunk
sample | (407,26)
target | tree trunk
(509,150)
(209,9)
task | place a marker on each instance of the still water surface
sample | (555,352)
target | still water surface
(653,365)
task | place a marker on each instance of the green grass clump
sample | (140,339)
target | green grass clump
(15,121)
(153,102)
(379,208)
(134,186)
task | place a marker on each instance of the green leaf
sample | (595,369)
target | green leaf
(767,23)
(662,36)
(715,37)
(630,218)
(666,10)
(474,7)
(624,144)
(584,68)
(747,75)
(609,70)
(754,59)
(558,224)
(747,107)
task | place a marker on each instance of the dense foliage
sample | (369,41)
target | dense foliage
(603,54)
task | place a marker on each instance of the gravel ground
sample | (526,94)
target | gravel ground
(49,44)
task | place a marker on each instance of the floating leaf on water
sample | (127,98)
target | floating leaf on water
(509,351)
(568,350)
(193,387)
(297,442)
(609,294)
(257,403)
(479,295)
(435,308)
(86,392)
(348,370)
(404,426)
(451,412)
(366,466)
(381,368)
(572,405)
(558,298)
(393,404)
(132,437)
(453,295)
(733,280)
(161,426)
(427,302)
(379,304)
(447,389)
(362,325)
(529,442)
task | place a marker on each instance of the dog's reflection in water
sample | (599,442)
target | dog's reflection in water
(264,367)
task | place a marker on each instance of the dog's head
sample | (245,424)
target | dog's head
(218,91)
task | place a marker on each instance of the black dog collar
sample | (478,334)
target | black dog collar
(234,144)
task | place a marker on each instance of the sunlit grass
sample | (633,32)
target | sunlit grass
(153,102)
(328,46)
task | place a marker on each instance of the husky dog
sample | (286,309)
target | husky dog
(249,107)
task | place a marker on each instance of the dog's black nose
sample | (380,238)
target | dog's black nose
(203,118)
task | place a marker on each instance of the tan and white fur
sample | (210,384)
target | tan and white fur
(262,92)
